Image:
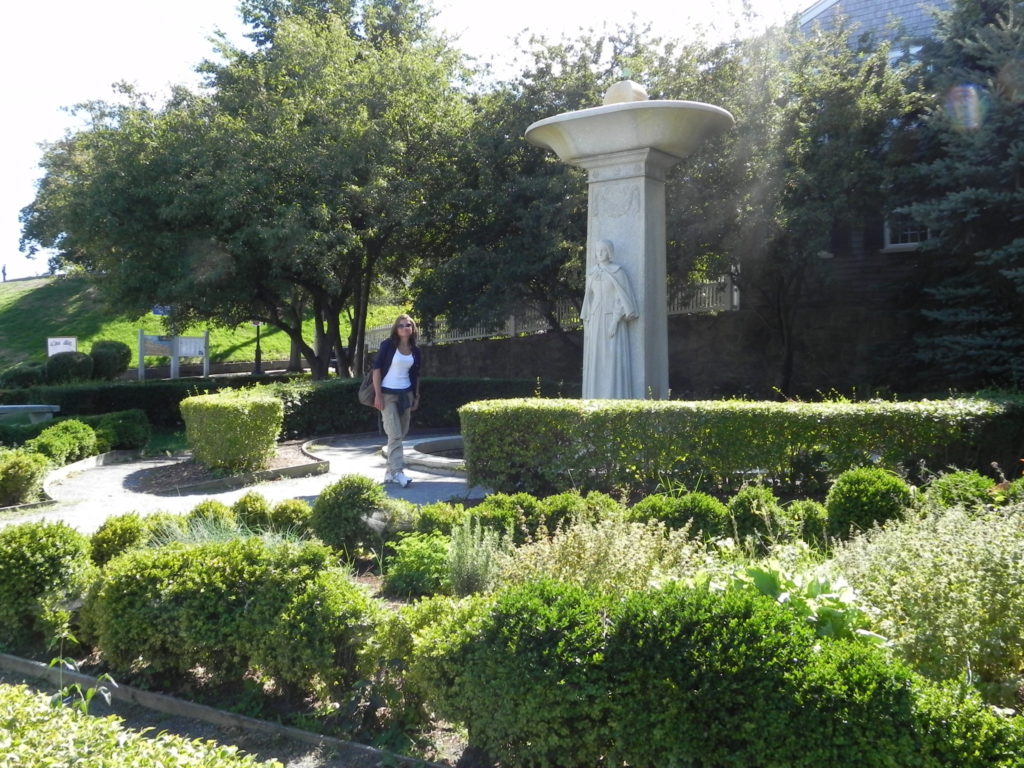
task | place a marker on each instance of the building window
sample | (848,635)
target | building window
(903,234)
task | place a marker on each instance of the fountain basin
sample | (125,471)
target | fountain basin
(436,454)
(676,128)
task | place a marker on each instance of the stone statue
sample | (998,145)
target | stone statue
(608,305)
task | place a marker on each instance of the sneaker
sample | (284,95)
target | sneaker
(400,478)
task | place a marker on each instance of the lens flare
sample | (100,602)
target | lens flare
(965,107)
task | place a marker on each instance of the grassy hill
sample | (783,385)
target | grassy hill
(35,309)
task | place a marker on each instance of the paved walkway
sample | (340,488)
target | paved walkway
(84,499)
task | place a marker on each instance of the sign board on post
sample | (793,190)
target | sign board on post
(56,344)
(174,347)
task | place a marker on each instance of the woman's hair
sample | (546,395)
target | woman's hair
(394,329)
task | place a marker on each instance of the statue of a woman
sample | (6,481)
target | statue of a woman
(608,304)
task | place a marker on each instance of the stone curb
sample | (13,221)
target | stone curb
(170,705)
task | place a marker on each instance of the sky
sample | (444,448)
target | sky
(64,52)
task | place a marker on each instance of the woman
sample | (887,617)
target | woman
(396,388)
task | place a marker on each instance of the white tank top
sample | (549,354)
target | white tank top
(398,373)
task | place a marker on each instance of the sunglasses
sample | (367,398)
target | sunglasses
(405,325)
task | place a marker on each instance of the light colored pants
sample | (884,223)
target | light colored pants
(395,427)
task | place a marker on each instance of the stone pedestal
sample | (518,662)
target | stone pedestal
(627,146)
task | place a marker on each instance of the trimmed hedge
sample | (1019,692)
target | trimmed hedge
(120,430)
(21,476)
(552,674)
(544,446)
(233,430)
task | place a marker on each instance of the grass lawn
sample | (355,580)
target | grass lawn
(35,309)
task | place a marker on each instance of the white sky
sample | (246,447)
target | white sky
(63,52)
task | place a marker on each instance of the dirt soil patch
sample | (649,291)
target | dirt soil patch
(186,471)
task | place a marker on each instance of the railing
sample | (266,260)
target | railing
(720,296)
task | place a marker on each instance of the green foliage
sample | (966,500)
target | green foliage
(319,639)
(233,430)
(21,476)
(291,515)
(418,566)
(121,430)
(948,589)
(700,511)
(36,734)
(110,358)
(117,534)
(441,516)
(969,489)
(67,367)
(167,609)
(543,446)
(473,557)
(812,516)
(65,442)
(22,375)
(756,518)
(213,516)
(253,511)
(861,497)
(526,681)
(520,513)
(340,509)
(606,556)
(43,568)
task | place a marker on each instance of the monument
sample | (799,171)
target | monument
(627,145)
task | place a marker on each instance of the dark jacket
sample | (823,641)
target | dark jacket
(387,354)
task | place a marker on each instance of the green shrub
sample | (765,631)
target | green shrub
(233,430)
(37,734)
(473,555)
(253,511)
(526,677)
(968,488)
(608,556)
(21,476)
(949,592)
(121,430)
(22,375)
(812,517)
(563,509)
(66,367)
(319,640)
(109,359)
(441,516)
(167,609)
(1015,491)
(117,534)
(43,567)
(520,513)
(213,516)
(341,508)
(545,446)
(701,511)
(756,518)
(861,497)
(65,442)
(291,515)
(418,567)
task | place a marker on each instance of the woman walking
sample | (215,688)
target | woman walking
(396,388)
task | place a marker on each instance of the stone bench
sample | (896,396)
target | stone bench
(36,413)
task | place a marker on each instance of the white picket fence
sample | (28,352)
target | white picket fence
(719,296)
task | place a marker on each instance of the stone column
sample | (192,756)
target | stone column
(627,207)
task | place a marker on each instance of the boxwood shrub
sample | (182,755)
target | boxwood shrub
(340,510)
(109,358)
(43,568)
(66,367)
(65,442)
(21,476)
(547,446)
(706,515)
(861,497)
(233,430)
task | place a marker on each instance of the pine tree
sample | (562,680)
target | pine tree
(970,195)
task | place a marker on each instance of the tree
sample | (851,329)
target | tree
(969,193)
(293,185)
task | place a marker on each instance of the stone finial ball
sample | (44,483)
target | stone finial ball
(625,91)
